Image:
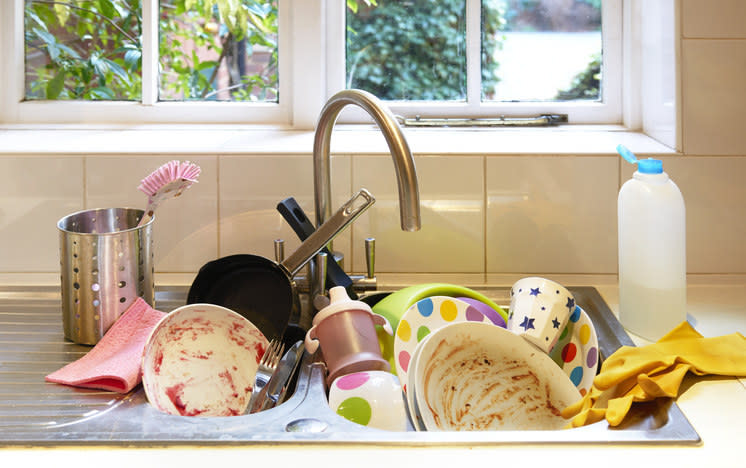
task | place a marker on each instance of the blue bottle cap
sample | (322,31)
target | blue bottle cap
(650,166)
(645,166)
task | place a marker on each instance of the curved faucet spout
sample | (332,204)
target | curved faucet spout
(406,174)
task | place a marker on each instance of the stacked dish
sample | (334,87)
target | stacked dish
(461,370)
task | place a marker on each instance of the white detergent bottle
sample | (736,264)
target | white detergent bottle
(652,250)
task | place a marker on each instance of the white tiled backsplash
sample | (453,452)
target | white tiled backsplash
(481,214)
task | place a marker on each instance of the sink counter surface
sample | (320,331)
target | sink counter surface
(715,407)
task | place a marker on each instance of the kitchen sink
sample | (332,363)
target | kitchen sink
(34,412)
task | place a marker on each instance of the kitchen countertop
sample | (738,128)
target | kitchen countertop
(715,406)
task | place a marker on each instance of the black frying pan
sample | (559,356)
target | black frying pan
(297,219)
(262,290)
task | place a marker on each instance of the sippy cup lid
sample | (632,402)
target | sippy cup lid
(339,301)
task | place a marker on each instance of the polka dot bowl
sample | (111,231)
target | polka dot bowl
(576,351)
(370,398)
(423,318)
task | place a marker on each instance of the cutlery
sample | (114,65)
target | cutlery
(274,392)
(267,367)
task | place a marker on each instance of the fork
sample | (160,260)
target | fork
(266,368)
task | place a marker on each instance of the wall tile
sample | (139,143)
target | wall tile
(715,196)
(452,208)
(35,193)
(251,187)
(185,229)
(713,97)
(551,214)
(713,18)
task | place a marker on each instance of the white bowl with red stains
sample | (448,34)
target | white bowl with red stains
(201,360)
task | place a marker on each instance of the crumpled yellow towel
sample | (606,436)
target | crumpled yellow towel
(644,373)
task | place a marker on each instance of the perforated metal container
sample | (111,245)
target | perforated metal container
(106,262)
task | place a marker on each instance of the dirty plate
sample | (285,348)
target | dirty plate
(475,376)
(423,318)
(200,360)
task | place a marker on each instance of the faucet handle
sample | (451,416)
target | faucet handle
(370,257)
(322,267)
(279,250)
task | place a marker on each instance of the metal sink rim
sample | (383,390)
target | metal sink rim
(132,421)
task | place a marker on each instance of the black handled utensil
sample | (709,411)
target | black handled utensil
(297,219)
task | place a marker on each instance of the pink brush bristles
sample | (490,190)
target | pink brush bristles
(169,172)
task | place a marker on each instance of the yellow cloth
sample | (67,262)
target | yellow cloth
(635,374)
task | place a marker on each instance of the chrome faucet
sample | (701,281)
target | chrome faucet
(406,174)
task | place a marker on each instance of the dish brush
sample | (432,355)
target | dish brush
(168,181)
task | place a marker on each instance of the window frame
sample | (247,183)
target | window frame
(608,111)
(148,110)
(311,69)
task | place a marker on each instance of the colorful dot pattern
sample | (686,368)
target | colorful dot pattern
(354,408)
(358,397)
(576,351)
(423,318)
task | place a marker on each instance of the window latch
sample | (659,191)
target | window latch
(543,120)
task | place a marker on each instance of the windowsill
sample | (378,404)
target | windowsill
(347,139)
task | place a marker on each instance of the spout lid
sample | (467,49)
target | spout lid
(339,301)
(644,166)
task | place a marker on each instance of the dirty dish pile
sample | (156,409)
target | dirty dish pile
(201,360)
(465,365)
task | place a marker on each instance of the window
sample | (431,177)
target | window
(486,58)
(144,61)
(185,60)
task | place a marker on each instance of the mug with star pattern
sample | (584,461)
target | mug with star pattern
(539,310)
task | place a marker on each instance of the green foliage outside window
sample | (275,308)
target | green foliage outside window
(416,50)
(91,49)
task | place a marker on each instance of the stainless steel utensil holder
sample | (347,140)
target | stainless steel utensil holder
(106,262)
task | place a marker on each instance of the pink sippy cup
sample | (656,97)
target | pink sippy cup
(346,331)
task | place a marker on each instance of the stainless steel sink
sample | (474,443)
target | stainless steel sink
(33,412)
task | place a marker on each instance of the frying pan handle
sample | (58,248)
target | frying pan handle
(348,213)
(297,219)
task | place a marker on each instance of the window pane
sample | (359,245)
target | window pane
(407,50)
(550,51)
(83,50)
(224,51)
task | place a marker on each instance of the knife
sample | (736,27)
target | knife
(274,392)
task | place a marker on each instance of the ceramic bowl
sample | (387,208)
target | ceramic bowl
(201,360)
(424,317)
(475,376)
(371,399)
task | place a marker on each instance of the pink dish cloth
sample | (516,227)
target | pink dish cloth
(115,362)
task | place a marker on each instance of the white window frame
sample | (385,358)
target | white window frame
(609,111)
(311,69)
(148,110)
